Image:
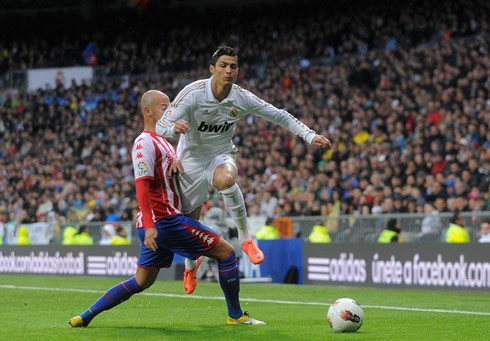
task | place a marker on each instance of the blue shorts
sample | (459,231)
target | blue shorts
(176,234)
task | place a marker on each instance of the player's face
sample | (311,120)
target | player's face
(160,105)
(226,70)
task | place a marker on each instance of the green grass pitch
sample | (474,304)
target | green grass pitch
(38,308)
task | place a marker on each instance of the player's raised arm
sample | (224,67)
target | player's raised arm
(267,111)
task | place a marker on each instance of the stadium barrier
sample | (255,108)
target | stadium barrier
(342,228)
(351,228)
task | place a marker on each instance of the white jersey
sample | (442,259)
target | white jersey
(213,123)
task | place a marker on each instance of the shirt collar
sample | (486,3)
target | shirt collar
(210,95)
(209,91)
(151,133)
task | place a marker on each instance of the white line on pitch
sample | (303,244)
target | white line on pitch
(425,310)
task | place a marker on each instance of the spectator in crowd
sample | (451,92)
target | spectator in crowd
(431,224)
(3,225)
(69,233)
(268,231)
(121,237)
(391,234)
(319,234)
(485,231)
(268,204)
(108,232)
(83,237)
(23,234)
(456,232)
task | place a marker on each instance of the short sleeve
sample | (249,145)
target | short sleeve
(143,155)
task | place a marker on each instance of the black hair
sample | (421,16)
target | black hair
(455,216)
(269,221)
(83,228)
(392,223)
(223,51)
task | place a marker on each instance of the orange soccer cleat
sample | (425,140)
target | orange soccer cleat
(254,253)
(190,279)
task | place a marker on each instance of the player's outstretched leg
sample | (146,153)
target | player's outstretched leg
(190,273)
(235,205)
(230,284)
(116,295)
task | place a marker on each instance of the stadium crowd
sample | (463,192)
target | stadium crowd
(278,34)
(404,98)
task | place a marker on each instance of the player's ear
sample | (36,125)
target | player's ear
(211,68)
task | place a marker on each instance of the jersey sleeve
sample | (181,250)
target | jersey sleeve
(143,155)
(178,109)
(267,111)
(144,201)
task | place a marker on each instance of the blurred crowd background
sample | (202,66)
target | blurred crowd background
(401,91)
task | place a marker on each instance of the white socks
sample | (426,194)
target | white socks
(190,264)
(235,205)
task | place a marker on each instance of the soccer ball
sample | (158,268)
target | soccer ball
(345,315)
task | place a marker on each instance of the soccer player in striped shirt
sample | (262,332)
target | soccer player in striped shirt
(205,114)
(162,228)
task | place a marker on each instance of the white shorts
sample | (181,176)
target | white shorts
(198,176)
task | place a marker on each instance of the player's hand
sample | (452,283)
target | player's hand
(321,141)
(150,238)
(175,168)
(181,127)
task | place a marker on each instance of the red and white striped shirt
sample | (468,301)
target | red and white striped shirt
(158,194)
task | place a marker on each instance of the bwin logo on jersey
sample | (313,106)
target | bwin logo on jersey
(214,128)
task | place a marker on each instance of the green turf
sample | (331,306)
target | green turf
(28,314)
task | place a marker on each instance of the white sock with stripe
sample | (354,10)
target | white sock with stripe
(190,264)
(235,205)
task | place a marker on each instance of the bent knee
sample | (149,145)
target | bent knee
(224,182)
(225,247)
(222,250)
(224,177)
(146,277)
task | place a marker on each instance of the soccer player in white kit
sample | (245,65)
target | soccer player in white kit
(205,114)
